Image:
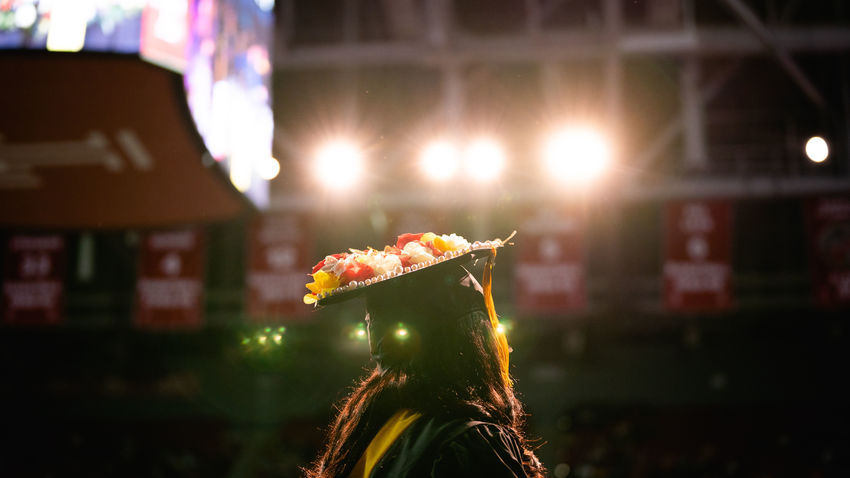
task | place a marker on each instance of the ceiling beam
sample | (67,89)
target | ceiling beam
(755,187)
(560,46)
(784,59)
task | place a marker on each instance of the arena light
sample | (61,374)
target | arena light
(240,172)
(439,160)
(264,339)
(25,15)
(358,332)
(505,326)
(269,168)
(576,154)
(339,165)
(68,22)
(401,332)
(484,159)
(817,149)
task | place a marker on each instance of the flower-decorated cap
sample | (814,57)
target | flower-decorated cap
(339,277)
(343,276)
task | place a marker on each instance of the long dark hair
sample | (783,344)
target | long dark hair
(452,371)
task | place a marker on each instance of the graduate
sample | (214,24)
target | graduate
(439,401)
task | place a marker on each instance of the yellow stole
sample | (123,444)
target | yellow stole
(382,441)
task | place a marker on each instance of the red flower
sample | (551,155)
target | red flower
(434,251)
(402,256)
(356,271)
(405,238)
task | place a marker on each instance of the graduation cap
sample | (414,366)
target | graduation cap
(423,268)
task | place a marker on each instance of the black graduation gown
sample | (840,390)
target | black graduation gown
(432,447)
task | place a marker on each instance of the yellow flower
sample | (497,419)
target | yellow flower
(441,244)
(322,282)
(452,242)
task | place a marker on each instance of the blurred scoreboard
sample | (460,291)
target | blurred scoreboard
(221,47)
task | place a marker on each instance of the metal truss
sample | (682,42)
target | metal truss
(425,35)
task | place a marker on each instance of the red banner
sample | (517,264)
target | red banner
(829,243)
(170,286)
(33,287)
(550,275)
(279,260)
(697,268)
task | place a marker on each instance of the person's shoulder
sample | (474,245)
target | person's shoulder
(475,448)
(448,446)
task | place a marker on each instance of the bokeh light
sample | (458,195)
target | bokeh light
(240,172)
(401,332)
(358,332)
(484,159)
(817,149)
(576,154)
(505,326)
(439,160)
(269,168)
(263,339)
(339,165)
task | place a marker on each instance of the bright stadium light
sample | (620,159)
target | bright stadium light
(484,159)
(576,154)
(439,160)
(817,149)
(339,164)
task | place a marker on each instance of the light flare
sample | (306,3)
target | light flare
(439,160)
(576,154)
(339,165)
(484,159)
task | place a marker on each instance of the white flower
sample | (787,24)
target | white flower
(380,261)
(341,265)
(386,263)
(330,264)
(417,252)
(454,242)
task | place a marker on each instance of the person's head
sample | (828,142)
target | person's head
(433,332)
(409,319)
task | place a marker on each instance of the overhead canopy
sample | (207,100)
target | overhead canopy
(102,141)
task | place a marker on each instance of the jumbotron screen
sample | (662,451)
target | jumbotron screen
(222,48)
(71,26)
(227,82)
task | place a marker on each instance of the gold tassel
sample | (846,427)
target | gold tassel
(504,349)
